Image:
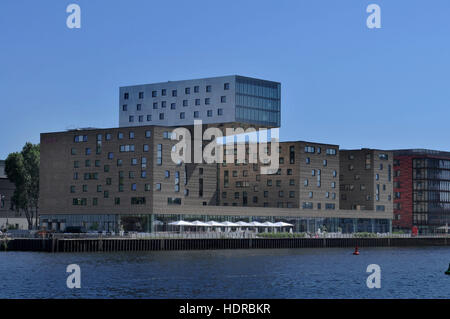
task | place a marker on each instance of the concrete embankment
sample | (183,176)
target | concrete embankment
(131,244)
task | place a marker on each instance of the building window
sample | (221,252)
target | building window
(196,89)
(219,112)
(307,205)
(208,88)
(226,86)
(159,155)
(163,92)
(158,186)
(163,104)
(126,96)
(137,200)
(207,101)
(131,118)
(197,101)
(133,187)
(310,149)
(155,105)
(173,106)
(119,136)
(146,147)
(80,138)
(196,114)
(209,113)
(187,91)
(124,107)
(223,99)
(149,118)
(110,155)
(185,103)
(106,194)
(161,116)
(182,115)
(174,93)
(154,94)
(138,107)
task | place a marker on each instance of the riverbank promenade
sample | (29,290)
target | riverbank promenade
(211,241)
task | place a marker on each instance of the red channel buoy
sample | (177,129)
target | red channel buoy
(356,252)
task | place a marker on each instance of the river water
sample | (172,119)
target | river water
(269,273)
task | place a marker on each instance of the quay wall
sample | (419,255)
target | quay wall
(131,244)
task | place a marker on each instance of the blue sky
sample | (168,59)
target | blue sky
(342,83)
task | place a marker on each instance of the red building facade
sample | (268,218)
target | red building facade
(421,190)
(403,193)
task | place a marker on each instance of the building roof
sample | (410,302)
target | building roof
(207,78)
(420,152)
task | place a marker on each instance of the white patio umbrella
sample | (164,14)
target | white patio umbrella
(241,223)
(257,224)
(283,224)
(214,224)
(229,224)
(269,224)
(199,223)
(181,223)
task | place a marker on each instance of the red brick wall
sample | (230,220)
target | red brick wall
(406,190)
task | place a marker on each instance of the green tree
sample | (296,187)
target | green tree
(22,170)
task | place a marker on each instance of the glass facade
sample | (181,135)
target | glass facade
(431,192)
(258,102)
(160,223)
